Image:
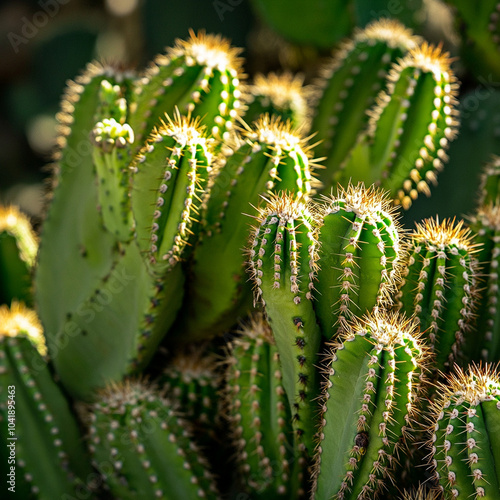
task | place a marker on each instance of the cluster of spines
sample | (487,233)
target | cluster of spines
(215,68)
(282,263)
(439,285)
(373,376)
(359,68)
(170,174)
(148,447)
(33,410)
(424,75)
(258,409)
(463,433)
(360,252)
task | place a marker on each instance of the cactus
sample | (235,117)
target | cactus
(360,249)
(488,189)
(38,429)
(200,76)
(18,248)
(142,446)
(283,265)
(349,85)
(463,429)
(439,285)
(281,95)
(368,401)
(260,414)
(270,157)
(422,494)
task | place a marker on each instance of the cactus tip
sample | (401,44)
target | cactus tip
(448,232)
(390,31)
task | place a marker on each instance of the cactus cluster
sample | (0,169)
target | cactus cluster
(185,203)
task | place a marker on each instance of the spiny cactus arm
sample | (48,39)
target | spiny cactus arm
(260,413)
(143,448)
(282,95)
(439,285)
(489,191)
(18,249)
(170,175)
(350,84)
(200,76)
(413,123)
(118,328)
(282,264)
(467,410)
(272,157)
(112,140)
(366,403)
(359,255)
(76,247)
(48,447)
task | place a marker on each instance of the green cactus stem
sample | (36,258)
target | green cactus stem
(142,447)
(360,250)
(76,248)
(410,127)
(350,83)
(489,191)
(464,440)
(200,76)
(270,157)
(374,374)
(112,139)
(170,176)
(282,95)
(18,249)
(37,428)
(485,342)
(439,285)
(260,414)
(282,262)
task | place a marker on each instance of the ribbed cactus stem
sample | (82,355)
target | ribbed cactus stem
(485,342)
(464,433)
(260,414)
(283,266)
(368,402)
(112,139)
(143,448)
(170,175)
(360,251)
(271,156)
(200,76)
(279,94)
(349,86)
(439,285)
(489,191)
(37,429)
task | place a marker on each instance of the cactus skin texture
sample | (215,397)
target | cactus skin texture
(283,266)
(439,285)
(464,426)
(489,189)
(270,157)
(258,409)
(200,76)
(374,373)
(18,248)
(410,127)
(485,342)
(350,84)
(360,248)
(50,460)
(143,448)
(282,95)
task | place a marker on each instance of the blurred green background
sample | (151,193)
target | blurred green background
(45,42)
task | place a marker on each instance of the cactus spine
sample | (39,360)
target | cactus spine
(143,448)
(439,285)
(359,255)
(368,401)
(464,437)
(283,266)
